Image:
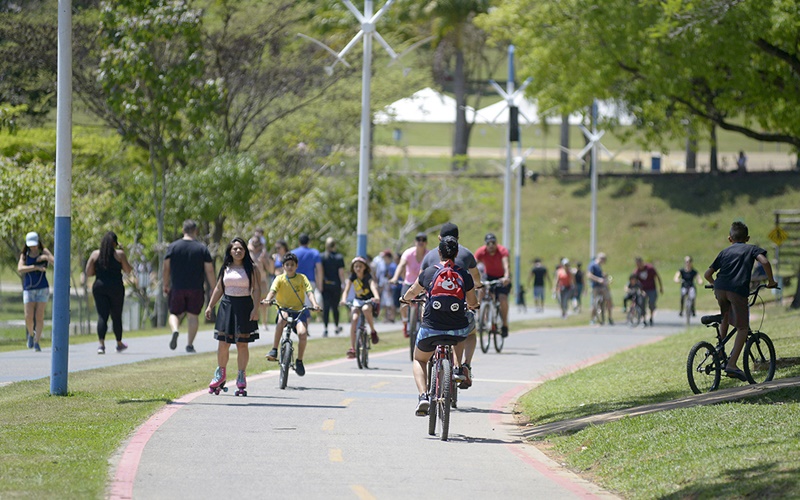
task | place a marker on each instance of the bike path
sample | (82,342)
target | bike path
(341,432)
(26,364)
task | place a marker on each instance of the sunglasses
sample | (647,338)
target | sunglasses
(423,240)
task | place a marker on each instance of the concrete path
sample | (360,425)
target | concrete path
(341,432)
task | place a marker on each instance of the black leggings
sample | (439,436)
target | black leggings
(109,301)
(331,295)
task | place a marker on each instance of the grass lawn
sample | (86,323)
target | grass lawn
(742,449)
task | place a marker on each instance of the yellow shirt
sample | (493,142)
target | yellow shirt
(291,293)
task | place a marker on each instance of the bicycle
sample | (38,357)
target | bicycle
(286,351)
(599,301)
(688,305)
(705,363)
(442,388)
(363,339)
(490,322)
(636,310)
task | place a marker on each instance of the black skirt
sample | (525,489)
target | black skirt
(233,320)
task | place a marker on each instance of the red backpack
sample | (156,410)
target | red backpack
(446,289)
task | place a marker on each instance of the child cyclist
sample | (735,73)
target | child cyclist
(366,299)
(446,318)
(733,266)
(288,290)
(633,291)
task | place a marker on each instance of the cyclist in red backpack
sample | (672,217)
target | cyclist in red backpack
(447,316)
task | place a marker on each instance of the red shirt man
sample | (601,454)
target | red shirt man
(495,263)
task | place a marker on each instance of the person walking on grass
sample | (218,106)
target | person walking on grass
(733,267)
(187,266)
(107,265)
(239,288)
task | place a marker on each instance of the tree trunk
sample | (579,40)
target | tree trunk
(563,163)
(796,300)
(461,139)
(691,155)
(712,160)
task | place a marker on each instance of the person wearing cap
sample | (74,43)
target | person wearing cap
(366,292)
(32,266)
(495,261)
(409,267)
(447,322)
(257,248)
(333,281)
(465,260)
(600,282)
(564,285)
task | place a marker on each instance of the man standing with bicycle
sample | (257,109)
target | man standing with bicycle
(648,277)
(600,287)
(495,261)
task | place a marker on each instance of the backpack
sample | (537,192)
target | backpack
(446,290)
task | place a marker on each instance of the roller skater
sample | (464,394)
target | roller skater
(241,383)
(218,382)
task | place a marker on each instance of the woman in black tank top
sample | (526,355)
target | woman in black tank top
(107,265)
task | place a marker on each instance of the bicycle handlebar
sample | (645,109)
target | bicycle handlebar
(491,283)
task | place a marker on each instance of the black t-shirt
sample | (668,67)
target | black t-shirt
(734,265)
(331,263)
(465,259)
(538,275)
(361,286)
(187,260)
(444,318)
(687,277)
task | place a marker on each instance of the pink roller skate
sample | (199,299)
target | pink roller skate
(241,383)
(218,382)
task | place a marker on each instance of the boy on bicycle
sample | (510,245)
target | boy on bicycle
(633,291)
(289,291)
(733,266)
(446,318)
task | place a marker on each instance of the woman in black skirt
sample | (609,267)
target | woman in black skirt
(238,285)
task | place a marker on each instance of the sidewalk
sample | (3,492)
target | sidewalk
(731,394)
(26,364)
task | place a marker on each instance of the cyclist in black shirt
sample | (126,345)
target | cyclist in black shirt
(687,276)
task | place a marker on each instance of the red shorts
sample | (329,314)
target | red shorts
(186,301)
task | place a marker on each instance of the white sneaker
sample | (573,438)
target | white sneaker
(422,406)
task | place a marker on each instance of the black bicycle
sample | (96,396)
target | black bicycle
(636,309)
(490,322)
(442,388)
(706,361)
(363,339)
(286,351)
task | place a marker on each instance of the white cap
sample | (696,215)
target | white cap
(32,239)
(564,261)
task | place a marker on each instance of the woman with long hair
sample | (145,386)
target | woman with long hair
(107,265)
(239,287)
(32,266)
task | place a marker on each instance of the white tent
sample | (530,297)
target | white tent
(497,113)
(425,106)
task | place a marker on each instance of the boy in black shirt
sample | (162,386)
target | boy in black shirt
(732,286)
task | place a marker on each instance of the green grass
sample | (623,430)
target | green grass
(744,449)
(59,447)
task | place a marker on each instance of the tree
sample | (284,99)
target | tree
(151,74)
(729,63)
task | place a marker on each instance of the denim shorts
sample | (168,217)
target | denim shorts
(37,295)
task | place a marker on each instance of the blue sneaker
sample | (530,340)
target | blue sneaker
(29,339)
(299,368)
(36,347)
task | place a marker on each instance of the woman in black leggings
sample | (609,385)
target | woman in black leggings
(107,265)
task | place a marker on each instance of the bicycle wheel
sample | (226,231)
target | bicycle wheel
(634,315)
(599,307)
(499,340)
(759,358)
(703,368)
(365,351)
(445,383)
(433,396)
(285,362)
(361,348)
(484,321)
(413,325)
(454,393)
(688,305)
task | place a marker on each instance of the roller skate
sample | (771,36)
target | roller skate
(241,383)
(218,382)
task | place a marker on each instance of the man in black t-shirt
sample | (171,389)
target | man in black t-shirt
(187,266)
(539,276)
(333,277)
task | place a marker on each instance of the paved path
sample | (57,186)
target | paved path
(341,432)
